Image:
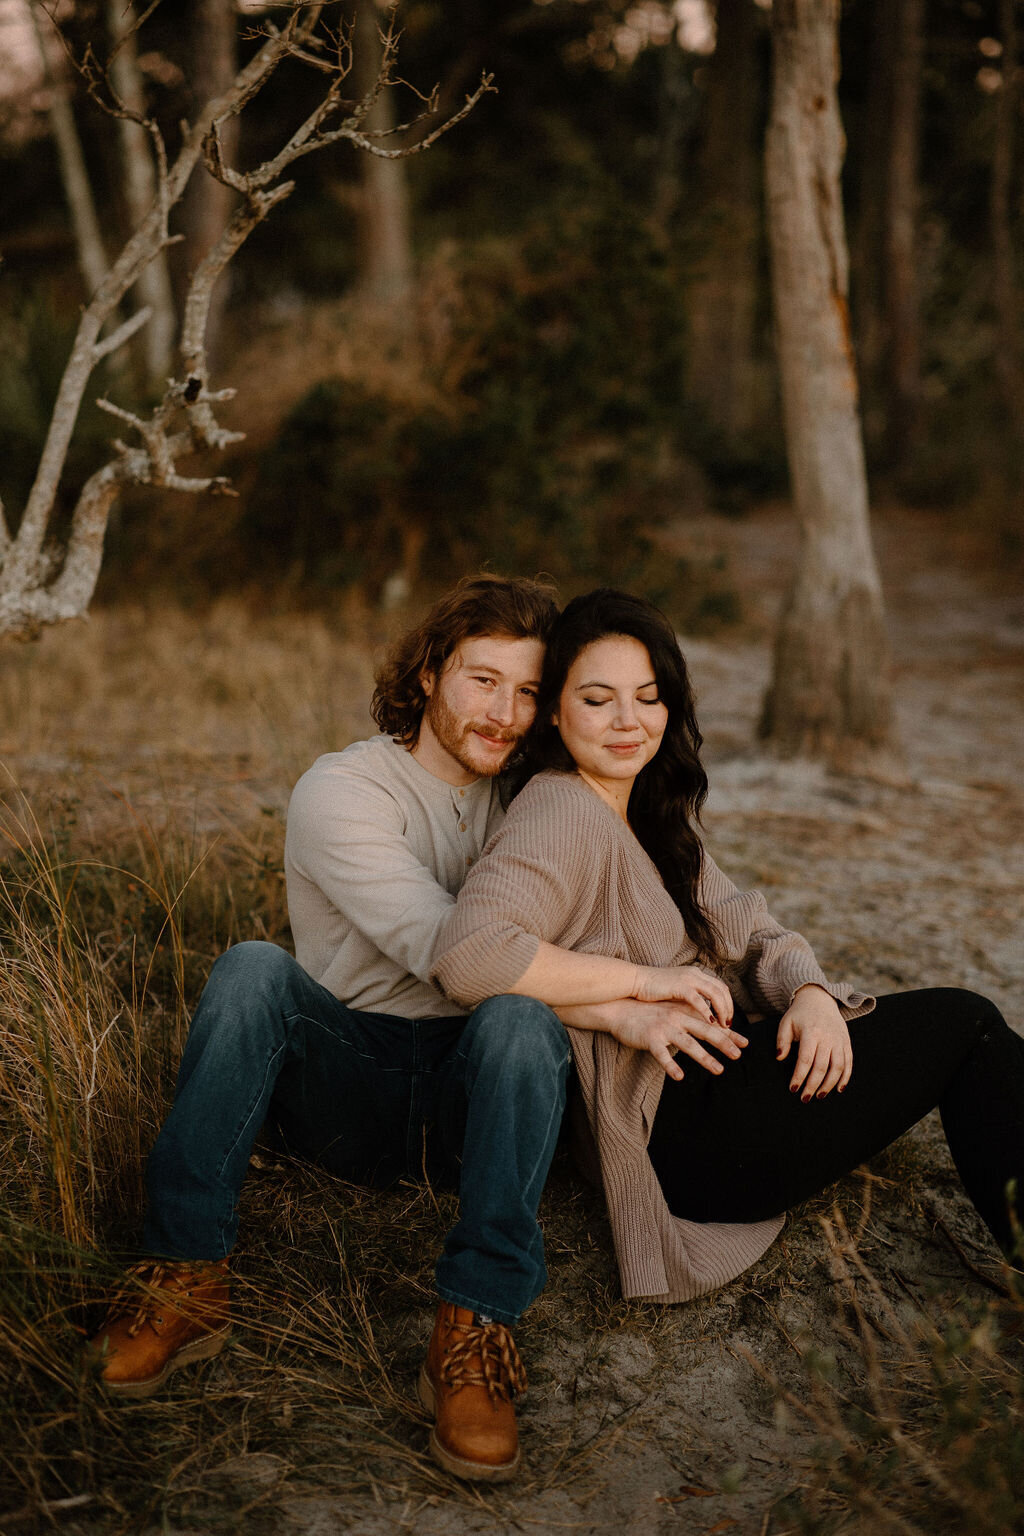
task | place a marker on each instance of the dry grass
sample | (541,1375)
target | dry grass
(920,1428)
(329,1275)
(167,690)
(148,766)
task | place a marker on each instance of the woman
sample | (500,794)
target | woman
(599,856)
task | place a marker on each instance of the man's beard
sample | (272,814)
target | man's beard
(455,735)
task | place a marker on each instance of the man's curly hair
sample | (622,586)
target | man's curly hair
(480,605)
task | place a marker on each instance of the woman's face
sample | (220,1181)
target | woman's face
(609,715)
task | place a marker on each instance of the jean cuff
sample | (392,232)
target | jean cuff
(479,1308)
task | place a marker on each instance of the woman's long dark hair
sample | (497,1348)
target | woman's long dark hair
(670,790)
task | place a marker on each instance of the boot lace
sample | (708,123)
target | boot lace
(157,1278)
(484,1355)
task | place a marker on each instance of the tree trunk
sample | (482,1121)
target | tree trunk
(385,242)
(208,205)
(830,691)
(92,258)
(140,190)
(902,308)
(1006,293)
(677,110)
(867,263)
(723,297)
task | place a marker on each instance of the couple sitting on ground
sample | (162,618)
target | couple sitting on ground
(545,771)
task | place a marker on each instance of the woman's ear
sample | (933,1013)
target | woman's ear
(554,718)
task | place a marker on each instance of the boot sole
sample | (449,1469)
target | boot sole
(200,1349)
(458,1466)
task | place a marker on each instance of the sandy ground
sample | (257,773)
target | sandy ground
(656,1420)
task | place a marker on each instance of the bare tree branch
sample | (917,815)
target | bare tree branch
(363,141)
(185,419)
(124,333)
(204,425)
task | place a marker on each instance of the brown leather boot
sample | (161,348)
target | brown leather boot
(468,1381)
(168,1314)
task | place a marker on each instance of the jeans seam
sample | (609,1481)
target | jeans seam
(248,1114)
(318,1024)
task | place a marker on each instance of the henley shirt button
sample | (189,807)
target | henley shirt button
(462,826)
(468,862)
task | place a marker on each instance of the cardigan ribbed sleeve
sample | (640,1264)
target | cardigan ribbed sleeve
(526,887)
(766,963)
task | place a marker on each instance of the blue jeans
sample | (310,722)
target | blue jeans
(373,1098)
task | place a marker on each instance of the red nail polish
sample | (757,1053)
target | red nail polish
(793,1088)
(806,1099)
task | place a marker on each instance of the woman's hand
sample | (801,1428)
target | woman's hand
(825,1058)
(705,996)
(663,1028)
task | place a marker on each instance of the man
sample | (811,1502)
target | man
(356,1059)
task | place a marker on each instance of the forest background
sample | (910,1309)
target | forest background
(551,334)
(546,343)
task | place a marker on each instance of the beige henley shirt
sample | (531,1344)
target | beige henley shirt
(375,850)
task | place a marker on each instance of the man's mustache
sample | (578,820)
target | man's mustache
(495,735)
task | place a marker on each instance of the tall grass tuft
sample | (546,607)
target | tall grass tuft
(80,1083)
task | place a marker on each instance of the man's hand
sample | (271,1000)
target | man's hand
(662,1028)
(825,1058)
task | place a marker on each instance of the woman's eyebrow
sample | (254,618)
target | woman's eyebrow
(611,686)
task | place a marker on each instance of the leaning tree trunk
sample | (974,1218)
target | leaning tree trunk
(830,691)
(45,579)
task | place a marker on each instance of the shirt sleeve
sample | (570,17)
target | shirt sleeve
(771,962)
(346,835)
(525,888)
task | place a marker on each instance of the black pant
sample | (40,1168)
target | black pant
(740,1146)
